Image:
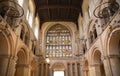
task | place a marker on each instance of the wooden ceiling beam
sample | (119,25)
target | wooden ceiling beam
(49,15)
(57,6)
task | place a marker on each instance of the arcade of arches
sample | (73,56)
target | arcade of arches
(89,48)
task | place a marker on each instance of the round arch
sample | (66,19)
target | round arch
(21,63)
(21,57)
(113,50)
(97,63)
(58,66)
(93,53)
(24,50)
(96,57)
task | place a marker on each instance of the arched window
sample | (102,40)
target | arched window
(91,37)
(22,33)
(58,42)
(95,32)
(84,48)
(27,38)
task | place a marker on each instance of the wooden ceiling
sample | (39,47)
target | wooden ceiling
(58,10)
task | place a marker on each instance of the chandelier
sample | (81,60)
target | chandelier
(105,10)
(11,9)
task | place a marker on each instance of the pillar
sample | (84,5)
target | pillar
(76,70)
(66,70)
(36,70)
(71,70)
(86,72)
(81,70)
(4,59)
(11,66)
(42,69)
(98,70)
(107,66)
(112,65)
(46,70)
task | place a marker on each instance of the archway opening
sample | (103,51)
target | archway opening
(58,69)
(98,64)
(114,52)
(60,73)
(20,64)
(114,44)
(4,54)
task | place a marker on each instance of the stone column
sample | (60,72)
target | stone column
(115,64)
(71,70)
(76,70)
(4,59)
(36,70)
(97,70)
(86,71)
(81,71)
(11,66)
(107,66)
(66,70)
(42,69)
(47,68)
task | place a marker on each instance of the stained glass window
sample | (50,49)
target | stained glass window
(58,42)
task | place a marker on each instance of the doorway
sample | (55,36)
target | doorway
(58,73)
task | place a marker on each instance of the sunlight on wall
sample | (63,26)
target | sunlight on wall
(20,2)
(58,73)
(30,20)
(30,13)
(31,5)
(27,16)
(36,30)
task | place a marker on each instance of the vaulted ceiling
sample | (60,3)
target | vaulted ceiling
(58,10)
